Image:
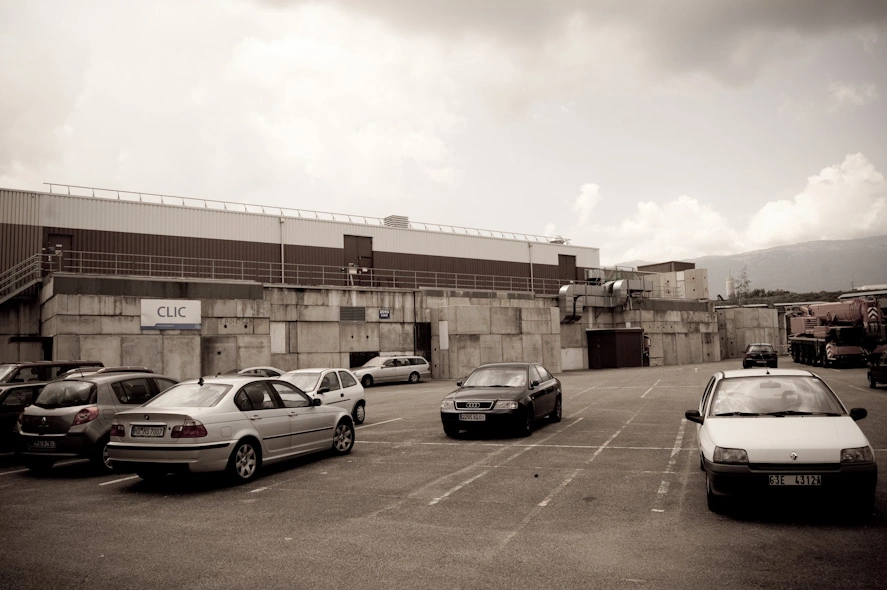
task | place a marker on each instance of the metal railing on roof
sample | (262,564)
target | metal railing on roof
(143,265)
(214,205)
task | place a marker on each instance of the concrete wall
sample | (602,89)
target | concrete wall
(741,326)
(20,318)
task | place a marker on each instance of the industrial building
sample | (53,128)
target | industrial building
(294,288)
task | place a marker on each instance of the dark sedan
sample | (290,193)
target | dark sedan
(502,395)
(759,354)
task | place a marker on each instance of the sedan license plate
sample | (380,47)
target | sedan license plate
(148,431)
(43,444)
(472,417)
(795,480)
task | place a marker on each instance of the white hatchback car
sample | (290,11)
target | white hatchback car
(233,423)
(785,434)
(335,387)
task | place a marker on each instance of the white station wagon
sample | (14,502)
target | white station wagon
(387,369)
(782,433)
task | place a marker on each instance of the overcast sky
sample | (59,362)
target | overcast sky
(652,130)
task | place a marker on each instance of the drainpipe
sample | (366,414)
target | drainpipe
(530,251)
(282,262)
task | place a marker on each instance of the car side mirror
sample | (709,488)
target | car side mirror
(858,413)
(534,384)
(693,416)
(317,402)
(323,390)
(458,384)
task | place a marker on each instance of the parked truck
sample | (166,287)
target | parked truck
(849,332)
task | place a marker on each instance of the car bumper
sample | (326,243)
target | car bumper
(493,419)
(64,446)
(196,458)
(760,362)
(837,480)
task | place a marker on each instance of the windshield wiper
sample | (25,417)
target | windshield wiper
(738,414)
(799,413)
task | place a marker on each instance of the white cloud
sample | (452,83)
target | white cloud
(588,198)
(847,200)
(846,94)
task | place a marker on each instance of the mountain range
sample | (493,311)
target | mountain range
(824,265)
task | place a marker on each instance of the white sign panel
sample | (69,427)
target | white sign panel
(444,328)
(170,314)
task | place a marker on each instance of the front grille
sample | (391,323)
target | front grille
(806,467)
(474,405)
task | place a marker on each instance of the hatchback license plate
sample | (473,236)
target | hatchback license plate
(148,431)
(43,444)
(472,417)
(795,480)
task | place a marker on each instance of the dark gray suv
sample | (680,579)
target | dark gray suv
(72,415)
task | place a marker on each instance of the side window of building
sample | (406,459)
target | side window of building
(330,381)
(347,379)
(133,392)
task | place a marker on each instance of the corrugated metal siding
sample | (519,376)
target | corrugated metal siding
(19,227)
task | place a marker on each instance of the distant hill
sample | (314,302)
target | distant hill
(826,265)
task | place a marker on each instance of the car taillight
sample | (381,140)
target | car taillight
(190,429)
(118,430)
(86,415)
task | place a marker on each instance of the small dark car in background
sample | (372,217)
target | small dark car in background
(877,372)
(759,354)
(502,395)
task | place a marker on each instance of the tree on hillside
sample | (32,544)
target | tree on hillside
(742,284)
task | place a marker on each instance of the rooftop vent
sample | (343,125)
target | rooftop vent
(557,240)
(397,221)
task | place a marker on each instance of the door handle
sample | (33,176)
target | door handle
(255,417)
(341,395)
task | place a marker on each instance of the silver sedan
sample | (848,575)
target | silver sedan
(234,424)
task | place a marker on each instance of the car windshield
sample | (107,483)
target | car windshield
(5,372)
(374,362)
(190,395)
(760,348)
(497,377)
(304,381)
(773,396)
(65,394)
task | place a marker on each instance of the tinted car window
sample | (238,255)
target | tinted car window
(330,381)
(417,361)
(25,375)
(18,398)
(65,394)
(6,371)
(133,391)
(347,379)
(291,397)
(534,374)
(546,376)
(190,395)
(163,384)
(259,396)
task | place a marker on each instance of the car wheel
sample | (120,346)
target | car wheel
(558,411)
(525,428)
(744,366)
(343,439)
(451,431)
(367,381)
(244,462)
(360,413)
(100,456)
(872,382)
(39,466)
(715,503)
(414,377)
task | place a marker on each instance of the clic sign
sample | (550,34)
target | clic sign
(170,314)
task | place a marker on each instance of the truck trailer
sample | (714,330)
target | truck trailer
(847,333)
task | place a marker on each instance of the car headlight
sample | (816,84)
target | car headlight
(506,404)
(447,404)
(857,455)
(722,455)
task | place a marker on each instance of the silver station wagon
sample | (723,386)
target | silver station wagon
(388,369)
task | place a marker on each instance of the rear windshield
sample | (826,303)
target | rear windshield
(190,395)
(755,396)
(758,348)
(65,394)
(304,381)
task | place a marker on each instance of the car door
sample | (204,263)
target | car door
(388,371)
(330,390)
(542,394)
(268,416)
(12,401)
(311,427)
(351,388)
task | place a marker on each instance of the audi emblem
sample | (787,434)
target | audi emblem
(472,405)
(794,456)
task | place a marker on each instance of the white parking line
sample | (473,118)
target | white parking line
(651,388)
(475,443)
(107,483)
(672,461)
(70,462)
(11,472)
(377,423)
(598,386)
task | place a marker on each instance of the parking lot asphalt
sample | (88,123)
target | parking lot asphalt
(610,497)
